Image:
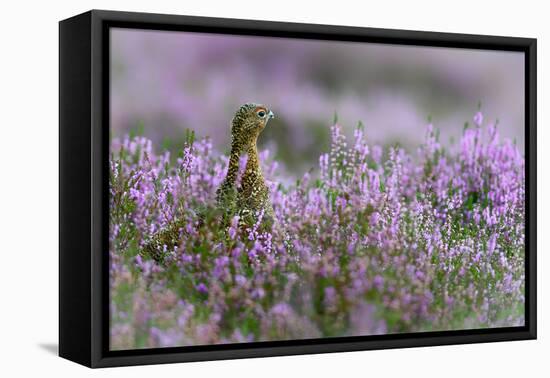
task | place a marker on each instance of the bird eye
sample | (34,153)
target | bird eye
(261,114)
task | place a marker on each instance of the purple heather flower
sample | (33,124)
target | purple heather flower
(240,280)
(202,288)
(478,119)
(330,297)
(491,244)
(378,282)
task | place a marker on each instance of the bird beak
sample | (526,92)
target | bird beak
(270,115)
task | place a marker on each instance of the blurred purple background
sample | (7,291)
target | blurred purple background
(164,82)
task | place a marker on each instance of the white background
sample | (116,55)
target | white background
(29,187)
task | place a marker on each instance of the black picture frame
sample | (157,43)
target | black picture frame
(83,181)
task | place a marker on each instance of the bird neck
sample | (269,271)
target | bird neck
(252,169)
(233,168)
(253,162)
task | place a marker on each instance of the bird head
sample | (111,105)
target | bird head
(248,123)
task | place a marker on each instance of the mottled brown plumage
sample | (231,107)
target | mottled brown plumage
(252,196)
(164,240)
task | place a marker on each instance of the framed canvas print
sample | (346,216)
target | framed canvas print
(235,188)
